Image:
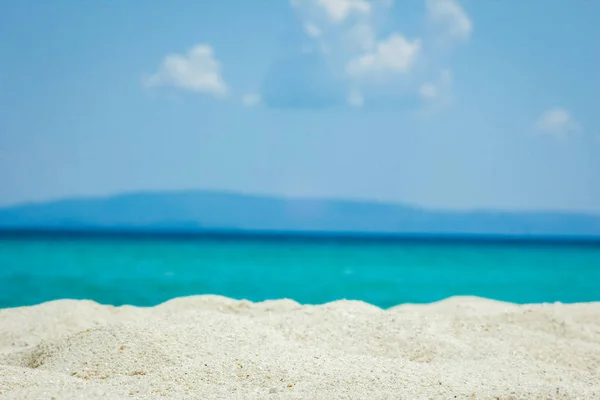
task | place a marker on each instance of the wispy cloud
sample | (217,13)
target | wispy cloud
(362,36)
(346,34)
(363,53)
(557,122)
(197,71)
(428,91)
(339,10)
(451,24)
(436,94)
(312,30)
(450,18)
(251,99)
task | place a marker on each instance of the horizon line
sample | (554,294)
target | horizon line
(298,236)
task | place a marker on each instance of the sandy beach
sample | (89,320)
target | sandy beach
(210,347)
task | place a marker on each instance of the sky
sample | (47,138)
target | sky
(451,104)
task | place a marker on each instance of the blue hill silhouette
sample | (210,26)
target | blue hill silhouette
(198,211)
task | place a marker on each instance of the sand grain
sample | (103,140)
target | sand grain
(209,347)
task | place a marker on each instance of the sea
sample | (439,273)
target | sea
(147,270)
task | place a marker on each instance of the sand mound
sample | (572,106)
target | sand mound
(214,347)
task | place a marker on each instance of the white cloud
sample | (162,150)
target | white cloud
(357,34)
(396,54)
(557,122)
(451,17)
(355,99)
(339,10)
(312,30)
(251,99)
(349,37)
(198,71)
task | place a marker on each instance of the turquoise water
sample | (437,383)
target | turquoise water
(149,271)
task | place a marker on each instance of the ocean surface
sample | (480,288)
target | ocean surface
(147,271)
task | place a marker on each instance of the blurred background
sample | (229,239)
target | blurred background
(380,150)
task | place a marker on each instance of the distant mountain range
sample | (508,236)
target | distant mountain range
(201,211)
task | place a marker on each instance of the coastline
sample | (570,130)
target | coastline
(215,347)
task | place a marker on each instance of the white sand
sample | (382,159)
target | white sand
(212,347)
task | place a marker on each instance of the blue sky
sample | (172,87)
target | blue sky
(441,103)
